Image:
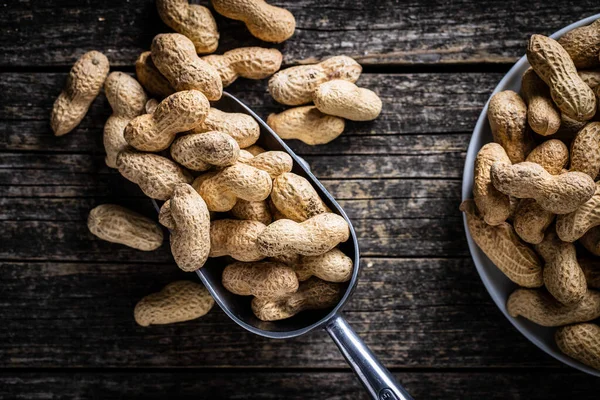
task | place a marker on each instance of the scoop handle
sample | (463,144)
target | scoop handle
(378,381)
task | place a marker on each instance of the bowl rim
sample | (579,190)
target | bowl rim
(467,188)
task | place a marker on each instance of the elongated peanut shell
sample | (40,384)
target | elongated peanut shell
(150,77)
(574,225)
(200,151)
(307,124)
(582,342)
(344,99)
(585,150)
(583,45)
(237,239)
(265,280)
(333,266)
(493,205)
(543,116)
(531,221)
(241,127)
(245,62)
(295,198)
(552,154)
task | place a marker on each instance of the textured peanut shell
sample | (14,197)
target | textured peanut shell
(314,294)
(540,307)
(157,176)
(507,115)
(554,66)
(585,150)
(583,45)
(344,99)
(118,224)
(295,197)
(274,163)
(591,241)
(237,239)
(245,62)
(177,113)
(177,302)
(591,270)
(175,57)
(83,84)
(192,20)
(543,116)
(563,276)
(333,266)
(559,194)
(552,154)
(531,221)
(591,77)
(200,151)
(252,210)
(295,86)
(264,21)
(265,280)
(150,77)
(127,100)
(315,236)
(581,342)
(307,124)
(574,225)
(243,128)
(493,205)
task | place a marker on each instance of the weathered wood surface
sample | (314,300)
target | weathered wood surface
(382,32)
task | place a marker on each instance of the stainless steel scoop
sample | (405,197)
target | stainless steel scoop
(375,377)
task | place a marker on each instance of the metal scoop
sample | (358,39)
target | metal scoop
(375,377)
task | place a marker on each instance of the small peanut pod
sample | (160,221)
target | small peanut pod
(591,270)
(540,307)
(237,239)
(531,221)
(241,127)
(314,294)
(563,276)
(84,82)
(192,20)
(559,194)
(583,45)
(253,211)
(507,115)
(574,225)
(344,99)
(581,342)
(590,77)
(264,21)
(175,57)
(295,198)
(118,224)
(274,163)
(177,302)
(157,176)
(265,280)
(585,150)
(554,65)
(315,236)
(150,77)
(200,151)
(307,124)
(177,113)
(552,154)
(542,114)
(295,85)
(504,248)
(245,62)
(591,241)
(493,205)
(333,266)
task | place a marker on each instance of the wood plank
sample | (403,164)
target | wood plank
(421,313)
(468,31)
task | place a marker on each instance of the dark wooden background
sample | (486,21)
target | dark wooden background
(66,298)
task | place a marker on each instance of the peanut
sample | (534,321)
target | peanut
(243,128)
(200,151)
(493,205)
(192,20)
(245,156)
(591,270)
(118,224)
(274,163)
(504,248)
(157,176)
(344,99)
(245,62)
(540,307)
(264,21)
(581,342)
(554,66)
(590,77)
(253,211)
(552,154)
(591,241)
(84,82)
(315,236)
(585,150)
(542,114)
(559,194)
(295,198)
(307,124)
(237,239)
(295,85)
(333,266)
(265,280)
(531,221)
(175,57)
(574,225)
(313,294)
(507,115)
(177,302)
(150,77)
(583,45)
(127,99)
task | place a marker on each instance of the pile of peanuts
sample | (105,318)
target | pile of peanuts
(534,197)
(224,196)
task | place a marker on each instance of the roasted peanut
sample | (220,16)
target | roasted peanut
(531,221)
(552,154)
(333,266)
(245,62)
(581,342)
(243,128)
(591,241)
(344,99)
(583,45)
(200,151)
(265,280)
(237,239)
(493,205)
(307,124)
(543,116)
(295,198)
(585,150)
(574,225)
(253,211)
(150,77)
(274,163)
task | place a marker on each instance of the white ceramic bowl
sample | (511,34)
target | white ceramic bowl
(497,284)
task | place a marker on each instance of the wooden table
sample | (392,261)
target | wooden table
(66,298)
